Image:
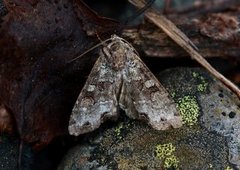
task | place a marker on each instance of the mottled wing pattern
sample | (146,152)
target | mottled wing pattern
(120,78)
(143,97)
(97,100)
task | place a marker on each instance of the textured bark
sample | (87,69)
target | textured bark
(213,38)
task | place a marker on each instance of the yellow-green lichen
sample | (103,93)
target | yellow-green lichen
(165,153)
(228,168)
(210,166)
(164,150)
(171,162)
(202,86)
(189,110)
(118,129)
(195,74)
(173,94)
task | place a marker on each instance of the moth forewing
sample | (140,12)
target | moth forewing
(149,98)
(119,78)
(96,102)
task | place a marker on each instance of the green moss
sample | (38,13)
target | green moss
(189,110)
(165,152)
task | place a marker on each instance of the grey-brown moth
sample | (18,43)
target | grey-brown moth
(120,79)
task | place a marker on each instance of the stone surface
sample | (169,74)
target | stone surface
(209,138)
(222,115)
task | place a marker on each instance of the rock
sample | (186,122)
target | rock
(219,106)
(209,138)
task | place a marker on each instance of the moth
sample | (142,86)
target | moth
(120,80)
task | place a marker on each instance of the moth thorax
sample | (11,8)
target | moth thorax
(115,55)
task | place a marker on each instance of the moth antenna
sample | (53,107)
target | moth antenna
(103,42)
(98,37)
(139,12)
(90,49)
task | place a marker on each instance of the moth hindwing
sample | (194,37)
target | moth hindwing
(119,78)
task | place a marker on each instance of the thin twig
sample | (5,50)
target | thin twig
(182,40)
